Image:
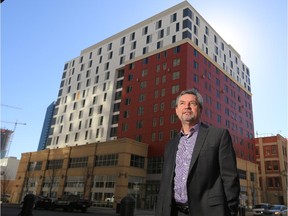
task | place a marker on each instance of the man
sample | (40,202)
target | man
(199,174)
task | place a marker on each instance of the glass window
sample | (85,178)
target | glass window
(78,162)
(137,161)
(106,160)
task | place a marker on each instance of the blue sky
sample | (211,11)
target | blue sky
(38,37)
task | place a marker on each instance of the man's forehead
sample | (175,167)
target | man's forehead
(187,96)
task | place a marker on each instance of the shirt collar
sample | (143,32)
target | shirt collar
(195,128)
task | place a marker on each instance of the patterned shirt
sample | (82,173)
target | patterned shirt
(183,159)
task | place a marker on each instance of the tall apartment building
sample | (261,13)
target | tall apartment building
(271,156)
(126,85)
(118,86)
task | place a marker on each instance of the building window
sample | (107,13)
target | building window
(155,165)
(139,124)
(109,46)
(106,160)
(159,44)
(122,41)
(37,165)
(140,111)
(186,34)
(115,119)
(78,162)
(132,36)
(173,17)
(272,166)
(98,182)
(148,39)
(270,151)
(155,107)
(176,49)
(159,24)
(161,33)
(137,161)
(113,132)
(145,30)
(175,89)
(173,38)
(187,12)
(187,24)
(273,182)
(176,62)
(100,121)
(242,174)
(54,164)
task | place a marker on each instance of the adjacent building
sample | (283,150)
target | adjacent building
(46,126)
(271,156)
(8,168)
(96,171)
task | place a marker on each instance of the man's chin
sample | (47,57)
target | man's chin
(188,119)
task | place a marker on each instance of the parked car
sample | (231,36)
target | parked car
(285,212)
(5,198)
(109,199)
(278,210)
(40,202)
(259,208)
(70,203)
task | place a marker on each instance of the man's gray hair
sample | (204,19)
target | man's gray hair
(192,91)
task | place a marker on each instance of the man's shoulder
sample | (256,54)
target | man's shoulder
(212,128)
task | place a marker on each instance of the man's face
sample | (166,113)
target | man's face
(188,109)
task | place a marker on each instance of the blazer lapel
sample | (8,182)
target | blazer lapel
(198,144)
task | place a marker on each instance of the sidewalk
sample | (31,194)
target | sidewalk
(110,211)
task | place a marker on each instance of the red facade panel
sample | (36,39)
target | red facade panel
(151,85)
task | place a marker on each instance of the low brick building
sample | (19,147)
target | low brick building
(96,171)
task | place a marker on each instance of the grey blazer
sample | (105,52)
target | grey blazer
(213,183)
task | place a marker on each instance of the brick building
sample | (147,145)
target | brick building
(271,155)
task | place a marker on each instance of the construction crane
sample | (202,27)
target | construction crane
(11,138)
(15,125)
(5,105)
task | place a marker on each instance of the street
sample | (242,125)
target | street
(14,210)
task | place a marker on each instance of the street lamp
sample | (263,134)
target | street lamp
(136,189)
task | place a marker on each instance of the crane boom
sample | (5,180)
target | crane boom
(5,105)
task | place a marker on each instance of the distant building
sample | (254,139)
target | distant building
(5,141)
(271,156)
(9,167)
(46,127)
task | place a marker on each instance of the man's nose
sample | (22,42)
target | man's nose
(187,105)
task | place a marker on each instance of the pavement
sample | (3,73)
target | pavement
(92,210)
